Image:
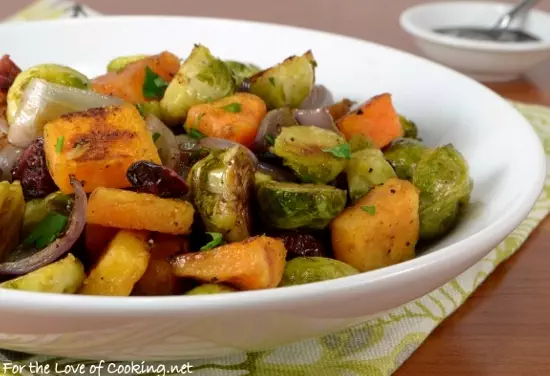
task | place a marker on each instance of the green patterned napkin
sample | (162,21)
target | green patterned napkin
(377,347)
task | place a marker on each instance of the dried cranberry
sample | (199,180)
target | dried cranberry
(148,177)
(8,71)
(32,171)
(302,245)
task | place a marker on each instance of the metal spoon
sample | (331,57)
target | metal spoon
(500,32)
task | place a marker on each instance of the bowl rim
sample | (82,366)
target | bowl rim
(423,33)
(134,306)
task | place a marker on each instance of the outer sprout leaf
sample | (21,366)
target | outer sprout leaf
(217,239)
(47,231)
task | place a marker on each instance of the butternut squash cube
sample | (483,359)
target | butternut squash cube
(139,211)
(97,147)
(120,267)
(255,263)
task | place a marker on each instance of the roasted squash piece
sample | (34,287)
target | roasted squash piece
(120,267)
(376,119)
(236,118)
(255,263)
(127,83)
(97,147)
(381,229)
(139,211)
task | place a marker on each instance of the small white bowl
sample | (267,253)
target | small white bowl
(482,60)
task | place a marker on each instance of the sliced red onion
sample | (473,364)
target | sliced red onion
(270,128)
(4,127)
(221,143)
(8,157)
(320,96)
(20,262)
(277,173)
(319,117)
(166,142)
(185,142)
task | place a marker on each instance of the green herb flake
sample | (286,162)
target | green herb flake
(369,209)
(196,134)
(313,63)
(217,239)
(340,151)
(154,86)
(233,107)
(272,81)
(141,108)
(269,139)
(59,144)
(156,136)
(47,231)
(198,120)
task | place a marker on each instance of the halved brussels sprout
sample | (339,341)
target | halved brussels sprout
(200,79)
(57,74)
(289,205)
(366,169)
(409,127)
(62,277)
(150,108)
(119,63)
(403,154)
(316,155)
(302,270)
(210,288)
(286,84)
(359,142)
(221,185)
(12,209)
(38,209)
(241,70)
(442,176)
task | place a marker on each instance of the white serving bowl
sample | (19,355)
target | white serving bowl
(505,155)
(483,60)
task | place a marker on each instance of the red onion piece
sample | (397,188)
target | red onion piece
(166,142)
(77,220)
(221,143)
(277,173)
(320,96)
(186,142)
(319,117)
(8,157)
(270,128)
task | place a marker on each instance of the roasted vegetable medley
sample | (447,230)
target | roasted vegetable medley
(169,176)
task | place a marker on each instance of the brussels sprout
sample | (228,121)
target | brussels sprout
(63,277)
(287,84)
(260,177)
(221,185)
(12,209)
(289,205)
(366,169)
(316,155)
(200,79)
(302,270)
(119,63)
(403,154)
(58,74)
(409,127)
(241,70)
(210,288)
(442,176)
(37,210)
(359,142)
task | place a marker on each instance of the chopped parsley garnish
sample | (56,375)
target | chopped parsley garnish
(156,136)
(217,239)
(269,139)
(141,108)
(47,231)
(369,209)
(272,81)
(340,151)
(154,86)
(233,107)
(196,134)
(59,144)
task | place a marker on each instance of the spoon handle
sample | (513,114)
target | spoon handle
(505,21)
